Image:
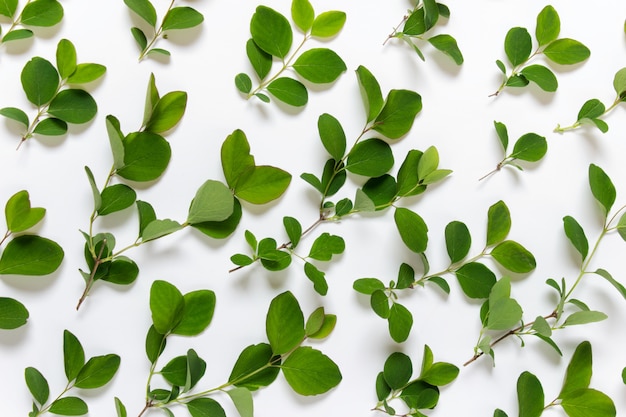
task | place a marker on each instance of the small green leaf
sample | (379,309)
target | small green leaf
(576,236)
(332,135)
(398,113)
(271,31)
(448,45)
(566,51)
(431,13)
(330,321)
(458,241)
(284,323)
(530,395)
(139,37)
(370,91)
(602,187)
(213,202)
(380,303)
(97,372)
(19,214)
(120,408)
(243,83)
(476,280)
(205,407)
(166,305)
(289,91)
(66,58)
(499,413)
(368,285)
(325,246)
(116,197)
(530,147)
(198,310)
(503,134)
(221,229)
(542,76)
(382,389)
(343,207)
(413,230)
(146,215)
(400,322)
(69,406)
(440,373)
(541,326)
(167,112)
(51,127)
(40,80)
(584,317)
(16,35)
(591,109)
(315,321)
(589,402)
(144,9)
(16,114)
(242,399)
(30,255)
(182,18)
(371,158)
(44,13)
(517,45)
(251,369)
(293,229)
(517,81)
(619,82)
(406,276)
(155,343)
(397,370)
(13,314)
(362,202)
(317,277)
(328,24)
(122,271)
(548,26)
(86,73)
(578,374)
(146,156)
(262,184)
(73,355)
(514,257)
(309,372)
(302,14)
(261,61)
(37,385)
(420,395)
(498,223)
(605,274)
(319,65)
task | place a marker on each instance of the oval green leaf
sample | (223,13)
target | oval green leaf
(271,31)
(182,18)
(548,26)
(566,51)
(40,80)
(146,156)
(398,114)
(309,372)
(458,241)
(13,314)
(371,158)
(514,257)
(542,76)
(319,65)
(30,255)
(476,280)
(517,45)
(289,91)
(116,197)
(44,13)
(284,323)
(97,372)
(530,147)
(328,24)
(413,230)
(397,370)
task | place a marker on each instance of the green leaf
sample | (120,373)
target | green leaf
(499,413)
(20,215)
(368,285)
(167,306)
(13,314)
(86,73)
(400,322)
(413,230)
(51,127)
(16,114)
(431,13)
(261,61)
(284,323)
(330,321)
(236,157)
(252,369)
(428,162)
(44,13)
(66,58)
(566,51)
(542,327)
(408,180)
(619,82)
(139,37)
(332,135)
(243,83)
(458,241)
(242,399)
(362,202)
(152,98)
(73,355)
(605,274)
(122,271)
(155,343)
(328,24)
(146,156)
(16,35)
(315,321)
(420,395)
(8,8)
(548,26)
(167,112)
(397,370)
(325,246)
(591,109)
(476,280)
(406,276)
(69,406)
(302,14)
(503,314)
(120,408)
(517,81)
(116,138)
(116,197)
(271,31)
(293,229)
(205,407)
(182,18)
(289,91)
(397,115)
(317,277)
(415,25)
(584,317)
(498,223)
(530,147)
(30,255)
(382,389)
(97,372)
(37,385)
(262,184)
(213,202)
(440,373)
(379,301)
(542,76)
(309,372)
(370,91)
(448,45)
(178,370)
(503,134)
(602,187)
(198,310)
(40,80)
(530,395)
(576,236)
(371,158)
(221,229)
(517,45)
(381,191)
(146,215)
(514,257)
(589,402)
(578,374)
(144,9)
(97,199)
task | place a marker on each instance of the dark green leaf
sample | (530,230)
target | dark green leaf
(370,91)
(182,18)
(371,158)
(293,229)
(271,31)
(382,389)
(548,26)
(15,114)
(51,127)
(40,80)
(447,44)
(576,236)
(122,271)
(368,285)
(284,323)
(289,91)
(302,14)
(542,76)
(458,241)
(408,180)
(319,65)
(413,230)
(566,51)
(328,24)
(397,115)
(30,255)
(514,257)
(325,246)
(578,374)
(517,81)
(66,58)
(37,385)
(591,109)
(73,355)
(86,73)
(262,184)
(589,402)
(243,83)
(309,372)
(400,322)
(476,280)
(530,395)
(97,372)
(252,369)
(166,305)
(602,187)
(517,45)
(146,215)
(44,13)
(380,303)
(261,61)
(397,370)
(332,135)
(503,134)
(343,207)
(146,156)
(197,313)
(20,215)
(144,9)
(116,197)
(213,202)
(380,192)
(431,13)
(177,370)
(13,314)
(159,228)
(441,283)
(155,343)
(499,413)
(167,112)
(498,223)
(420,395)
(205,407)
(530,147)
(415,24)
(406,276)
(317,277)
(69,406)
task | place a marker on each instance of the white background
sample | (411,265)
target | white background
(457,118)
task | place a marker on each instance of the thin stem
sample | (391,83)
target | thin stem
(148,405)
(395,30)
(90,282)
(18,20)
(514,72)
(498,168)
(6,236)
(157,35)
(583,269)
(559,129)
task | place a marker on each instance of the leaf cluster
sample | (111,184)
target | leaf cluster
(593,109)
(576,398)
(80,372)
(175,18)
(518,46)
(420,21)
(272,39)
(422,393)
(24,253)
(34,14)
(52,90)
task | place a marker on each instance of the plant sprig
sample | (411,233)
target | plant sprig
(35,13)
(592,111)
(518,48)
(419,22)
(51,90)
(175,18)
(272,37)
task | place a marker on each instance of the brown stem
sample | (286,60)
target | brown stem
(395,30)
(97,263)
(148,405)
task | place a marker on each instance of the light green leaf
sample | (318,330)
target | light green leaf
(400,322)
(368,285)
(514,257)
(116,197)
(530,147)
(73,355)
(328,24)
(576,236)
(503,134)
(397,370)
(16,114)
(20,215)
(325,246)
(530,395)
(13,314)
(116,138)
(317,277)
(605,274)
(398,114)
(198,310)
(8,7)
(40,80)
(476,280)
(362,202)
(205,407)
(284,323)
(517,45)
(619,82)
(182,18)
(589,402)
(458,241)
(167,305)
(30,255)
(602,187)
(371,158)
(221,229)
(542,327)
(293,229)
(66,58)
(167,112)
(262,184)
(584,317)
(213,202)
(309,372)
(498,223)
(503,314)
(370,91)
(97,199)
(17,34)
(548,26)
(289,91)
(69,406)
(242,399)
(144,9)
(448,45)
(330,321)
(236,157)
(440,373)
(86,73)
(319,65)
(578,374)
(97,372)
(120,408)
(152,98)
(566,51)
(302,14)
(37,385)
(271,31)
(159,228)
(413,230)
(542,76)
(44,13)
(155,343)
(146,156)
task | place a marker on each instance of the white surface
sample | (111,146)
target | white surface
(457,118)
